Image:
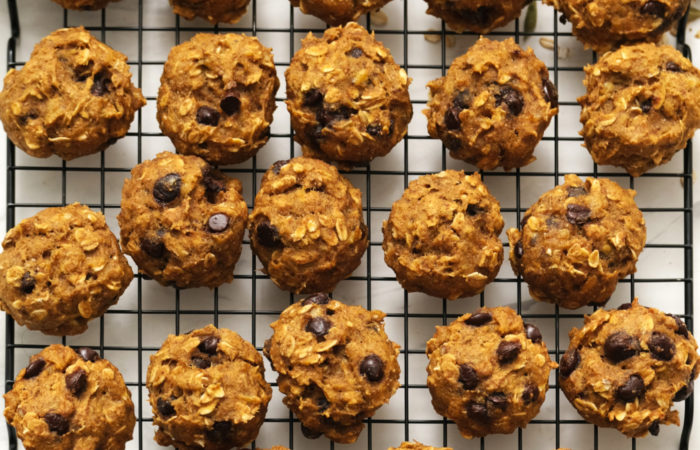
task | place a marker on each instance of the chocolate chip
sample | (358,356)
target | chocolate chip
(550,92)
(684,392)
(230,105)
(473,210)
(268,235)
(327,116)
(462,100)
(646,106)
(661,346)
(309,433)
(318,326)
(153,246)
(322,403)
(530,393)
(167,188)
(624,306)
(165,409)
(220,431)
(478,319)
(317,299)
(356,52)
(88,354)
(681,329)
(100,83)
(577,214)
(201,362)
(673,67)
(76,382)
(654,8)
(568,363)
(374,129)
(312,97)
(512,99)
(217,223)
(372,367)
(468,376)
(632,389)
(519,249)
(477,411)
(27,283)
(533,333)
(497,400)
(34,368)
(576,191)
(507,351)
(208,116)
(563,19)
(452,117)
(654,428)
(620,346)
(57,423)
(208,345)
(277,166)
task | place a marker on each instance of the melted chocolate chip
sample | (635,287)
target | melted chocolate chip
(661,346)
(497,400)
(230,105)
(507,351)
(312,97)
(568,363)
(322,403)
(100,83)
(468,376)
(167,188)
(76,382)
(519,249)
(511,98)
(646,106)
(318,326)
(309,433)
(164,407)
(577,214)
(477,411)
(201,362)
(208,116)
(356,52)
(654,8)
(620,346)
(34,368)
(268,235)
(563,19)
(576,191)
(673,67)
(632,389)
(473,210)
(372,367)
(218,223)
(374,129)
(27,283)
(533,333)
(462,100)
(219,432)
(88,354)
(624,306)
(654,428)
(684,392)
(317,299)
(478,319)
(153,247)
(550,93)
(452,117)
(681,329)
(530,393)
(208,345)
(277,166)
(57,423)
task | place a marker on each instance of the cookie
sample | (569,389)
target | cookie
(488,372)
(61,268)
(415,445)
(577,241)
(217,96)
(84,4)
(606,24)
(215,11)
(338,12)
(66,399)
(335,365)
(639,108)
(442,235)
(347,98)
(625,368)
(307,227)
(492,107)
(207,390)
(72,98)
(182,221)
(478,16)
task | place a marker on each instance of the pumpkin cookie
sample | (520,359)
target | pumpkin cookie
(338,12)
(479,16)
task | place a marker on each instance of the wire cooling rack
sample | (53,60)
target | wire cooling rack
(135,328)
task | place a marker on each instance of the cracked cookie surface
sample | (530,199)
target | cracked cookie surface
(70,399)
(625,368)
(492,107)
(488,371)
(214,11)
(335,364)
(479,16)
(577,241)
(84,4)
(338,12)
(441,237)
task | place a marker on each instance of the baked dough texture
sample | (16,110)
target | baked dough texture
(338,12)
(478,16)
(215,11)
(84,4)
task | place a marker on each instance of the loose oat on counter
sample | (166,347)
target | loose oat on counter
(338,12)
(478,16)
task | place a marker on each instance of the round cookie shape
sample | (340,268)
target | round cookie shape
(182,221)
(338,12)
(606,24)
(577,241)
(492,107)
(626,367)
(214,11)
(84,4)
(66,399)
(442,235)
(61,268)
(488,372)
(72,98)
(415,445)
(639,108)
(347,98)
(307,227)
(478,16)
(217,96)
(207,389)
(335,364)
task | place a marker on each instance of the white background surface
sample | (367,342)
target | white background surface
(41,16)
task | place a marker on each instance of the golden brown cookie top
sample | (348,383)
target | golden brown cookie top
(338,12)
(478,16)
(214,11)
(415,445)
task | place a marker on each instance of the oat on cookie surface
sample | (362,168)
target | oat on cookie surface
(84,4)
(338,12)
(215,11)
(479,16)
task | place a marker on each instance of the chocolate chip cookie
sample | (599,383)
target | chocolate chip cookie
(84,4)
(61,268)
(493,105)
(335,364)
(577,241)
(606,24)
(442,235)
(207,389)
(640,106)
(338,12)
(66,399)
(488,371)
(347,98)
(415,445)
(72,98)
(217,96)
(215,11)
(182,221)
(625,368)
(479,16)
(307,227)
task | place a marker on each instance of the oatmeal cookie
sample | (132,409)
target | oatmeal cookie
(215,11)
(492,107)
(625,368)
(182,221)
(488,371)
(207,390)
(577,241)
(84,4)
(335,364)
(72,98)
(217,96)
(347,98)
(69,399)
(338,12)
(478,16)
(415,445)
(61,268)
(442,235)
(640,106)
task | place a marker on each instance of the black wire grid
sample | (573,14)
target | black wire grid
(14,341)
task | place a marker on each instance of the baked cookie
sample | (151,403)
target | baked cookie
(61,268)
(606,24)
(182,221)
(72,98)
(577,241)
(338,12)
(478,16)
(625,368)
(207,390)
(215,11)
(217,96)
(307,227)
(640,106)
(347,98)
(415,445)
(442,235)
(84,4)
(335,365)
(493,105)
(69,399)
(488,372)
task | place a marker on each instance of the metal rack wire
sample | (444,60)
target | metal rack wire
(258,311)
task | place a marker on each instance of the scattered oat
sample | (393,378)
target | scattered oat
(433,38)
(378,18)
